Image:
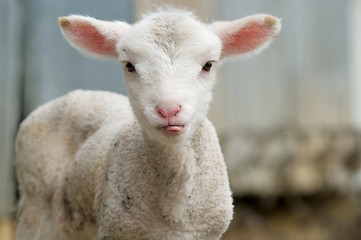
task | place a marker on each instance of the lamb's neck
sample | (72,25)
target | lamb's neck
(176,167)
(172,160)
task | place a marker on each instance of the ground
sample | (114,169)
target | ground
(318,217)
(6,229)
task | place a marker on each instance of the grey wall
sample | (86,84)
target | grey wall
(302,80)
(10,75)
(271,109)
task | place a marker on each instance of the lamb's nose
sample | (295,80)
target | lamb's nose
(168,113)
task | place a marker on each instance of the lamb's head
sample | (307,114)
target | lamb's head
(170,61)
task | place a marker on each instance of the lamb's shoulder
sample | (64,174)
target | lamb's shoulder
(212,189)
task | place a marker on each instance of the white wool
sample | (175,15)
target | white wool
(97,165)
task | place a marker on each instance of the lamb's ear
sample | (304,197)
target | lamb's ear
(92,36)
(246,35)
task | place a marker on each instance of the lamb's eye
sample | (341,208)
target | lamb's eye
(207,67)
(129,67)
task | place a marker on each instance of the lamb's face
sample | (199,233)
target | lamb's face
(170,62)
(170,68)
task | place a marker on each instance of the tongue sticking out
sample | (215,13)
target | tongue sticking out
(174,128)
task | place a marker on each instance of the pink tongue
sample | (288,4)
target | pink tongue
(174,128)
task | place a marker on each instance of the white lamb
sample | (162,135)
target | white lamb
(97,165)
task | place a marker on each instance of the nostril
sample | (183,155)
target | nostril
(175,111)
(161,112)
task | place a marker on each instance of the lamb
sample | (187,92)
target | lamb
(99,165)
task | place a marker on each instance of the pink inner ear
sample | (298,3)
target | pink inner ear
(91,39)
(246,39)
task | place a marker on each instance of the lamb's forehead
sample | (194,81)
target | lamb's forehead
(171,30)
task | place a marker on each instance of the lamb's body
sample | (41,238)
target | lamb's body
(95,165)
(179,192)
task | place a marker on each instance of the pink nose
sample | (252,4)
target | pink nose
(165,113)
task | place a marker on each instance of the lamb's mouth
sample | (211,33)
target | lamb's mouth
(173,129)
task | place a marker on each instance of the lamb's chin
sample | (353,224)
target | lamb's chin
(168,135)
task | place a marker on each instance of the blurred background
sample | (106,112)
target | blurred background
(288,119)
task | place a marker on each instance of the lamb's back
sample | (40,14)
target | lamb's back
(52,136)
